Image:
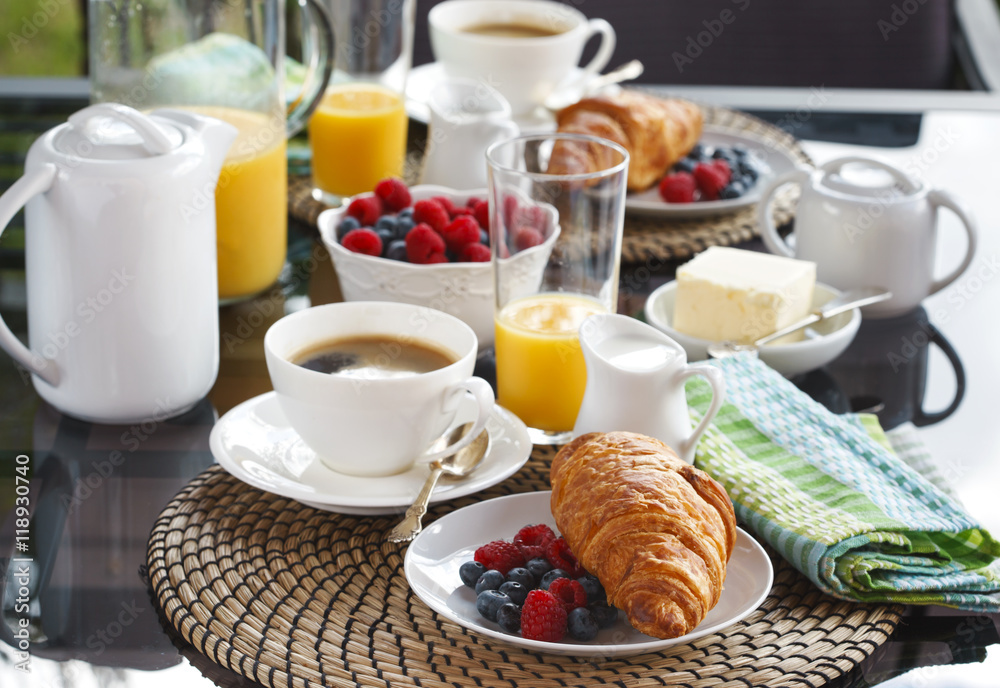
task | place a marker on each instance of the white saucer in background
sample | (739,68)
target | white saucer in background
(255,443)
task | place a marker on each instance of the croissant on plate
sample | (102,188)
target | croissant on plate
(656,531)
(656,132)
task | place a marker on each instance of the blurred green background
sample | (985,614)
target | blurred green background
(42,38)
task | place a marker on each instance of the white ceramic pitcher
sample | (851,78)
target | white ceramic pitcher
(467,117)
(635,383)
(123,322)
(867,224)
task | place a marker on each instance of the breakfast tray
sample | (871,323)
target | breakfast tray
(645,239)
(290,596)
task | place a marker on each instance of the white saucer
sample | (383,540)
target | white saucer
(433,558)
(424,78)
(255,443)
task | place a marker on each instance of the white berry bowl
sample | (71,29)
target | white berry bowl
(464,290)
(821,343)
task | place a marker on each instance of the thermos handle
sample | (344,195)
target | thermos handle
(768,232)
(718,384)
(319,60)
(34,182)
(940,199)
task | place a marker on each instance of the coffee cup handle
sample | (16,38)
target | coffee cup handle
(483,394)
(34,182)
(922,418)
(943,199)
(718,384)
(604,52)
(768,232)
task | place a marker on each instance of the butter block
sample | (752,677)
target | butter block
(730,294)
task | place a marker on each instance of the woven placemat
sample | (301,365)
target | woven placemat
(646,239)
(291,596)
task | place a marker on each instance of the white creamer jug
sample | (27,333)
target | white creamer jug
(467,117)
(635,383)
(866,223)
(123,321)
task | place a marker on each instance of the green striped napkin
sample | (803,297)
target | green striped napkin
(829,493)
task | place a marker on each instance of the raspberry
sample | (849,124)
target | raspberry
(431,212)
(559,555)
(509,210)
(678,188)
(461,231)
(436,258)
(422,242)
(531,215)
(366,209)
(723,166)
(474,253)
(500,555)
(526,237)
(445,203)
(569,592)
(394,194)
(481,211)
(711,180)
(543,617)
(363,240)
(533,540)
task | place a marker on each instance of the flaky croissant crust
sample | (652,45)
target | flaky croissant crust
(656,531)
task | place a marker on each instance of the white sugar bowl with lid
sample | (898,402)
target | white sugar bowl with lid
(120,260)
(866,223)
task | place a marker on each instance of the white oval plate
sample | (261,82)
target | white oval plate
(255,443)
(434,557)
(770,162)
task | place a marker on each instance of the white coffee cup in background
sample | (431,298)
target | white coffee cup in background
(363,422)
(522,48)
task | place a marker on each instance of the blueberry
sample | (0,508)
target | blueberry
(403,227)
(386,236)
(697,152)
(538,567)
(484,237)
(740,151)
(387,222)
(489,602)
(405,212)
(747,169)
(593,588)
(346,225)
(490,580)
(522,576)
(581,624)
(515,591)
(397,251)
(509,618)
(470,572)
(604,614)
(732,190)
(685,165)
(551,576)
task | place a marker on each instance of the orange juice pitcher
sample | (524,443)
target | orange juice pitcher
(226,60)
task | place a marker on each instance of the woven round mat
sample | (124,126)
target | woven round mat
(291,596)
(645,238)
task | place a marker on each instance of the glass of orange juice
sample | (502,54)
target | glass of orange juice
(357,135)
(557,198)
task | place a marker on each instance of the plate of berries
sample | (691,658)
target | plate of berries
(500,568)
(723,173)
(430,246)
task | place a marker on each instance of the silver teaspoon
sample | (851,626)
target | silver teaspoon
(459,464)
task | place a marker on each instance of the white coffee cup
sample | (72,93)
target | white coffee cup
(375,426)
(524,69)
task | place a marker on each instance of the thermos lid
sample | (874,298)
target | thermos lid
(111,131)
